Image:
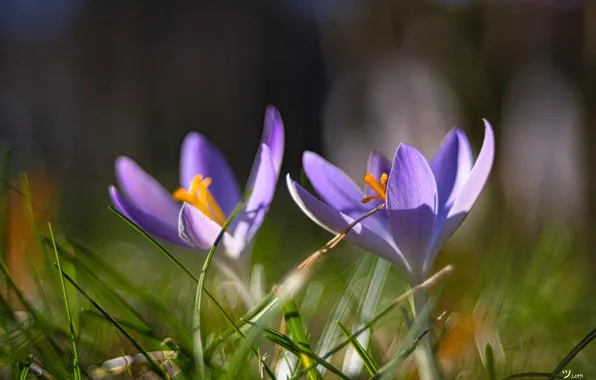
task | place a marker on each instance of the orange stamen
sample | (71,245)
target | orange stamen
(379,187)
(199,196)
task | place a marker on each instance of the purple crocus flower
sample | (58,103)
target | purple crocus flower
(426,201)
(194,214)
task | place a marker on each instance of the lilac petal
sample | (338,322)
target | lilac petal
(147,222)
(411,204)
(466,196)
(335,222)
(465,161)
(377,166)
(197,230)
(340,192)
(273,137)
(262,189)
(451,166)
(199,156)
(333,185)
(119,202)
(472,188)
(144,192)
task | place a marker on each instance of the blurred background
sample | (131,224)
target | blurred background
(83,81)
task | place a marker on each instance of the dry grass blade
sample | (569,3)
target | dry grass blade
(337,238)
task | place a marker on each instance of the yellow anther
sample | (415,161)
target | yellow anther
(378,187)
(199,196)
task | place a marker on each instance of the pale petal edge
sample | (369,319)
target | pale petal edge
(336,222)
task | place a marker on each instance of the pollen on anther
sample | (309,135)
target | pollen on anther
(199,196)
(379,187)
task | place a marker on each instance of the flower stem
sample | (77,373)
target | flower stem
(427,365)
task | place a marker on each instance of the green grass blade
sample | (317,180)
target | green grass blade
(267,302)
(196,328)
(231,322)
(77,369)
(576,350)
(239,358)
(108,291)
(298,349)
(156,367)
(344,303)
(253,315)
(298,333)
(50,283)
(368,301)
(418,330)
(490,362)
(24,373)
(73,297)
(155,243)
(143,330)
(368,362)
(398,301)
(286,362)
(114,296)
(235,327)
(99,265)
(48,330)
(279,339)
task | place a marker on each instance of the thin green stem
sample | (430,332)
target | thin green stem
(77,369)
(266,303)
(580,346)
(156,367)
(196,326)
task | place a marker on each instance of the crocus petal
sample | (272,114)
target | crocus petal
(144,192)
(333,185)
(273,137)
(199,156)
(119,202)
(470,191)
(197,230)
(147,222)
(451,166)
(262,189)
(335,222)
(472,188)
(340,192)
(377,166)
(411,204)
(465,161)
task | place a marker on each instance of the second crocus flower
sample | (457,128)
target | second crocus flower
(193,215)
(426,201)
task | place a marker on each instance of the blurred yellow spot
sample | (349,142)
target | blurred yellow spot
(459,337)
(199,196)
(378,187)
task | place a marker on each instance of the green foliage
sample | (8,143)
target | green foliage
(136,308)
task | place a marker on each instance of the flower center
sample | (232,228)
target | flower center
(379,187)
(199,196)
